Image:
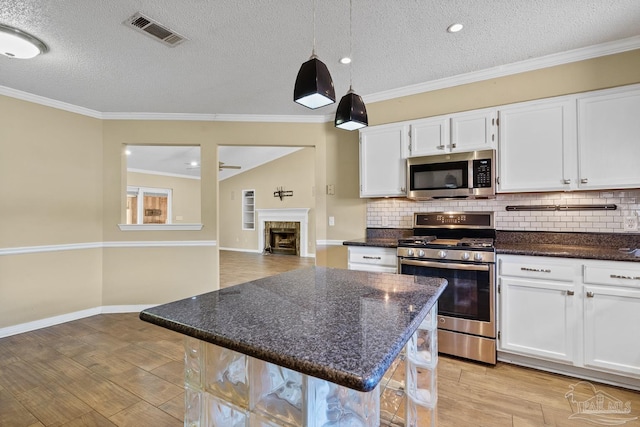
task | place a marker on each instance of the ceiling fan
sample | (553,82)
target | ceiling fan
(221,166)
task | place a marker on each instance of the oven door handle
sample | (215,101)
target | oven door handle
(447,265)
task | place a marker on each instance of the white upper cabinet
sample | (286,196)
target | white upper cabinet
(609,139)
(429,136)
(474,130)
(468,131)
(537,146)
(382,160)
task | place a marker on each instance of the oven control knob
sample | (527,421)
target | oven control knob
(421,253)
(410,252)
(477,256)
(442,254)
(465,256)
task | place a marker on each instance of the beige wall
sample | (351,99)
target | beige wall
(185,196)
(50,194)
(294,172)
(50,169)
(63,176)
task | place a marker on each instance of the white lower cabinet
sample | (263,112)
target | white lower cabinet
(582,313)
(538,318)
(373,258)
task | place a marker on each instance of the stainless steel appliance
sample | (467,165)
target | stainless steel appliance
(458,246)
(456,175)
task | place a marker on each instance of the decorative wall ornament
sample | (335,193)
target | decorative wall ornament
(281,193)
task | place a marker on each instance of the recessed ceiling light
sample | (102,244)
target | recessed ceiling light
(127,152)
(454,28)
(345,60)
(194,163)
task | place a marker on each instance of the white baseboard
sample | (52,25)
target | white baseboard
(69,317)
(253,251)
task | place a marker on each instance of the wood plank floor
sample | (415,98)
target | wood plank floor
(115,370)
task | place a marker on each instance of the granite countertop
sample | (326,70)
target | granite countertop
(343,326)
(602,246)
(566,251)
(373,241)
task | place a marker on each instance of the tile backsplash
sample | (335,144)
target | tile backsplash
(398,213)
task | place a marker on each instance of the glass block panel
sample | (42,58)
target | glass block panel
(334,405)
(226,375)
(256,420)
(277,391)
(193,408)
(422,348)
(431,321)
(391,400)
(421,384)
(193,359)
(223,414)
(419,415)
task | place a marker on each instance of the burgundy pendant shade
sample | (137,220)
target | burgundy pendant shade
(351,113)
(314,86)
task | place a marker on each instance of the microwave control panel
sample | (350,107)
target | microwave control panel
(482,173)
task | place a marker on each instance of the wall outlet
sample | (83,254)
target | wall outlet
(631,222)
(332,221)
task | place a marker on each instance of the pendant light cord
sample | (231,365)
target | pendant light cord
(351,44)
(313,52)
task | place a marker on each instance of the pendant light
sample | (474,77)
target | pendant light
(351,113)
(314,86)
(15,43)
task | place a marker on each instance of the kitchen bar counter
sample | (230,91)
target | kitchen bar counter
(310,348)
(346,327)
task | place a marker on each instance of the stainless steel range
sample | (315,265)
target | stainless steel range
(458,246)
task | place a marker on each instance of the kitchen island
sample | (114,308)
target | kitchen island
(308,347)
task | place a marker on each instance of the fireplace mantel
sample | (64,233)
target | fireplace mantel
(300,215)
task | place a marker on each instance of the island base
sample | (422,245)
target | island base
(229,389)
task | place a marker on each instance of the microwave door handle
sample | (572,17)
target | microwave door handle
(447,265)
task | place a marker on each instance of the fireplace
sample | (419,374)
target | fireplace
(298,217)
(282,237)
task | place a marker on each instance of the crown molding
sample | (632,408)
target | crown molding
(48,102)
(547,61)
(262,118)
(575,55)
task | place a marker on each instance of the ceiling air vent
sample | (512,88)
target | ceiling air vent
(152,28)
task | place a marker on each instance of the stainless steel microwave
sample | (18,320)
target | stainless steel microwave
(455,175)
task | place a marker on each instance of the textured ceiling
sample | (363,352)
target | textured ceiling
(242,57)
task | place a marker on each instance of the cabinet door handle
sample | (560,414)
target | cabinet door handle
(493,137)
(617,276)
(590,294)
(571,293)
(567,181)
(536,270)
(584,180)
(440,147)
(403,190)
(371,257)
(453,145)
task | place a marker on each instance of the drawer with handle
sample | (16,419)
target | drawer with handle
(372,255)
(623,275)
(538,269)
